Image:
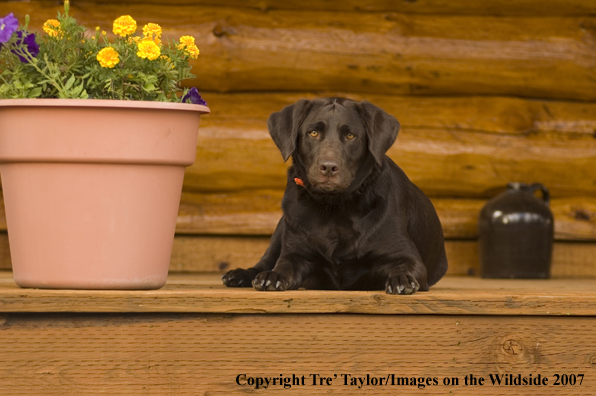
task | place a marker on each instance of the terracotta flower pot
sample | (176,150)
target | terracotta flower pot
(92,189)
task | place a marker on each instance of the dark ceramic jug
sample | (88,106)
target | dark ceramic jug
(516,234)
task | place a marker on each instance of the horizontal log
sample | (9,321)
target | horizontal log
(470,147)
(218,254)
(460,7)
(439,161)
(491,115)
(253,50)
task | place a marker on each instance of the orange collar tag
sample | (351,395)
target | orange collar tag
(299,182)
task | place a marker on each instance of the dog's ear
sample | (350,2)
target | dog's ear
(283,126)
(381,129)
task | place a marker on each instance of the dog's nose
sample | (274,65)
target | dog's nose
(328,167)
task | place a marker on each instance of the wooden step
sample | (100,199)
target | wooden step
(204,293)
(195,337)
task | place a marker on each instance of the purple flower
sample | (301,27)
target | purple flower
(24,39)
(8,25)
(193,96)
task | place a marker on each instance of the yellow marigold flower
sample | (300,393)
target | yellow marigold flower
(104,32)
(124,26)
(148,50)
(108,57)
(133,39)
(97,28)
(52,28)
(192,51)
(186,41)
(188,44)
(152,30)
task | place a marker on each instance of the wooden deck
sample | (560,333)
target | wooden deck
(204,293)
(196,337)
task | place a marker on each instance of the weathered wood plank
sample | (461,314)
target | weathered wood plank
(193,293)
(460,7)
(203,354)
(253,50)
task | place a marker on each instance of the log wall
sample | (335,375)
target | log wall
(304,49)
(486,92)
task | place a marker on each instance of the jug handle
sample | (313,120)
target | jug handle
(544,190)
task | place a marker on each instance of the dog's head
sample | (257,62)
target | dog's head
(333,138)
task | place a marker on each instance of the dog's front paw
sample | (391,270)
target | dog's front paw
(238,278)
(401,283)
(269,281)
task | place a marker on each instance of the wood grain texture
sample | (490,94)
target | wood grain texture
(246,49)
(460,7)
(470,147)
(491,114)
(192,293)
(216,254)
(5,260)
(187,354)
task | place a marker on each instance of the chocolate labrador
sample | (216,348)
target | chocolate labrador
(352,220)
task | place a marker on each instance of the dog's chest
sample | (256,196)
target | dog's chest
(335,239)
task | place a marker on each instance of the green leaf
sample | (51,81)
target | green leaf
(34,93)
(70,81)
(77,90)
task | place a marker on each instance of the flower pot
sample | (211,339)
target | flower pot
(92,189)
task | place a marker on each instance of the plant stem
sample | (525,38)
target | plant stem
(32,61)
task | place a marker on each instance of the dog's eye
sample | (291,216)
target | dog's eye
(313,133)
(350,136)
